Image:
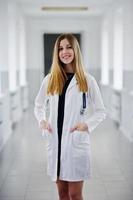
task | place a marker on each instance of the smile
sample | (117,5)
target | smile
(65,57)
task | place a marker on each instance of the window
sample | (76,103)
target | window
(105,56)
(12,35)
(22,53)
(118,51)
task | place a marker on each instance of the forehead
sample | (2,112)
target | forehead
(64,42)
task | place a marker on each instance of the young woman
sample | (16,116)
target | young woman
(75,109)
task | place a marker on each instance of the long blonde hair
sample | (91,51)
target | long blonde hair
(57,74)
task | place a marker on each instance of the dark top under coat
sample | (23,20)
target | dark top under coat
(61,104)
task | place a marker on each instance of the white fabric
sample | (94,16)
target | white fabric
(75,147)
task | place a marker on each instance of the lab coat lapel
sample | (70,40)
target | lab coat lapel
(72,83)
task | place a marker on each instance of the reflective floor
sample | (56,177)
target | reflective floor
(23,165)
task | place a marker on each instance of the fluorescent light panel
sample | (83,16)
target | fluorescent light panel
(60,8)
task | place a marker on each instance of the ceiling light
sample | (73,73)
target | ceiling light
(53,8)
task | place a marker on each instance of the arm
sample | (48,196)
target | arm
(39,108)
(99,109)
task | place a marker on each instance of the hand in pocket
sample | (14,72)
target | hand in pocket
(81,126)
(45,125)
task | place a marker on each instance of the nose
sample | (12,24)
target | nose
(64,50)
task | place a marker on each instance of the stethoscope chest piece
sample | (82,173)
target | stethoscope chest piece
(83,107)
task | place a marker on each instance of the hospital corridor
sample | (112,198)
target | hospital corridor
(28,31)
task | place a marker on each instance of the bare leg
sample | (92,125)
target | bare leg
(75,190)
(62,190)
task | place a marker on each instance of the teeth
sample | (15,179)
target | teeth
(66,56)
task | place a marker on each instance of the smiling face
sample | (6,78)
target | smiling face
(66,53)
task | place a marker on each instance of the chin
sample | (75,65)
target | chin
(67,63)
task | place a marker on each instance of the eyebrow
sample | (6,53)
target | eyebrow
(66,45)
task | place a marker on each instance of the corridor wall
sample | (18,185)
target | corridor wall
(120,101)
(13,93)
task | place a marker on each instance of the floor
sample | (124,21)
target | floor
(23,165)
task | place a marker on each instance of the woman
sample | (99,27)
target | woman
(75,109)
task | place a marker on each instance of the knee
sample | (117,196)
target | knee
(63,195)
(75,196)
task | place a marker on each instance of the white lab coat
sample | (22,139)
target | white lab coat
(75,146)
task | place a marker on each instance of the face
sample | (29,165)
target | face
(66,53)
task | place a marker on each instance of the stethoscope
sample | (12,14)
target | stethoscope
(83,107)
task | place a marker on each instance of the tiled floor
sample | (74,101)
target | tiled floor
(23,165)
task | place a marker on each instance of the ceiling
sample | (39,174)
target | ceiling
(95,7)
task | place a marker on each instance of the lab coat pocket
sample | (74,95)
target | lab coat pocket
(48,138)
(49,150)
(80,139)
(81,153)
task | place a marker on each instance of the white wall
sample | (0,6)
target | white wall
(110,19)
(128,35)
(12,96)
(3,41)
(120,103)
(36,28)
(90,32)
(3,36)
(12,39)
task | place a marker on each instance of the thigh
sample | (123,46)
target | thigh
(75,187)
(62,186)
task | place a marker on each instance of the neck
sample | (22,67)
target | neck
(68,68)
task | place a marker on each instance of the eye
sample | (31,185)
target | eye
(60,48)
(69,47)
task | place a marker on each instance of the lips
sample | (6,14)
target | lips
(66,56)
